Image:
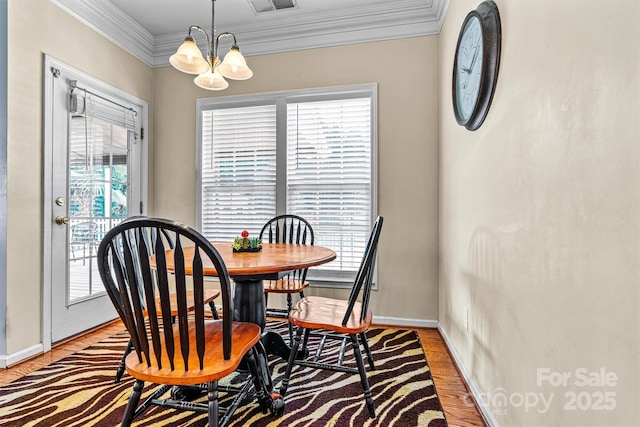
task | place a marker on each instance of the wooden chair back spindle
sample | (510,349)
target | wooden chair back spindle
(364,278)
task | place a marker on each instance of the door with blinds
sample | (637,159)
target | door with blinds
(96,183)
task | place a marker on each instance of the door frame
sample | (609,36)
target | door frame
(3,178)
(47,177)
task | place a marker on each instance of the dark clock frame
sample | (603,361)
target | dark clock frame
(489,17)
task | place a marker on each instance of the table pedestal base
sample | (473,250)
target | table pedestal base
(249,306)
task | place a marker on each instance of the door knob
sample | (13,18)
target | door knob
(62,220)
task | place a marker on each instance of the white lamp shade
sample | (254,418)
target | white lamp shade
(211,81)
(234,66)
(188,58)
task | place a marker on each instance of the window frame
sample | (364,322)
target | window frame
(280,99)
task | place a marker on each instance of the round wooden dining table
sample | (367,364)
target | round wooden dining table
(274,259)
(249,269)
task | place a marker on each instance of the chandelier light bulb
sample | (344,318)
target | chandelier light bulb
(211,80)
(188,58)
(234,66)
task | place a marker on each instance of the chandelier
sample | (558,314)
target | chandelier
(211,71)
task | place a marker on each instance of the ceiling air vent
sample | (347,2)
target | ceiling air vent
(262,6)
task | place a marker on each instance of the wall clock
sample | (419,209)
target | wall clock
(475,66)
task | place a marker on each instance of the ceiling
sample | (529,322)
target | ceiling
(153,29)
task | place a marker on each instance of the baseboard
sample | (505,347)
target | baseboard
(486,412)
(399,321)
(7,360)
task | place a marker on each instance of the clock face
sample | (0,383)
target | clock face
(469,68)
(475,66)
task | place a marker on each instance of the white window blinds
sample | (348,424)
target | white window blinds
(329,174)
(238,184)
(306,153)
(83,103)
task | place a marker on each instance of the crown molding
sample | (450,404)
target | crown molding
(387,21)
(109,21)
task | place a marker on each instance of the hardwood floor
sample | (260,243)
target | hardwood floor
(60,351)
(454,395)
(457,401)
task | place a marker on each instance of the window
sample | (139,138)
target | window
(310,153)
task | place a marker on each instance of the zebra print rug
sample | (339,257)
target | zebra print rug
(79,391)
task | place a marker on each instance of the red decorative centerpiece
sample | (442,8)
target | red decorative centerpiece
(246,244)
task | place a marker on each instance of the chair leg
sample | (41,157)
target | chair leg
(343,347)
(132,403)
(307,332)
(368,397)
(121,368)
(289,307)
(365,343)
(292,358)
(212,398)
(319,349)
(214,311)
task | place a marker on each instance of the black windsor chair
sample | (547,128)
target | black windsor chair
(209,294)
(287,228)
(339,318)
(192,352)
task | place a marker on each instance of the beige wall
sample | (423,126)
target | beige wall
(408,151)
(37,27)
(540,211)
